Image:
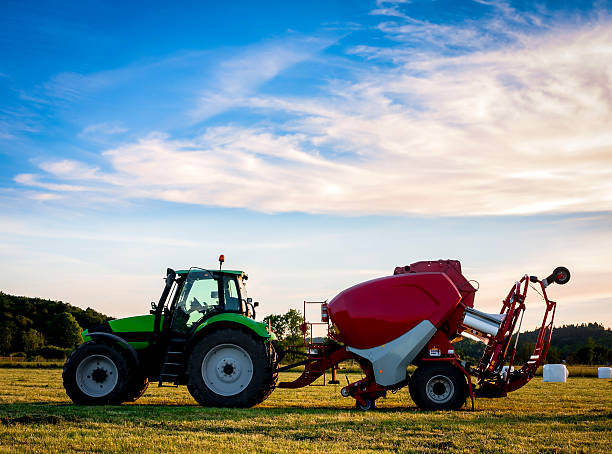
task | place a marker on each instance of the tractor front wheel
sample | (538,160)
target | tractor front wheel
(95,374)
(438,386)
(231,368)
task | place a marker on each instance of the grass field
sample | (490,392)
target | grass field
(36,416)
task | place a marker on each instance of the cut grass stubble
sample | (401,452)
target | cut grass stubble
(36,415)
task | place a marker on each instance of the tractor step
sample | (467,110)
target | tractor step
(174,363)
(166,378)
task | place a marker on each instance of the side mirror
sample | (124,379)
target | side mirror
(249,300)
(170,276)
(256,304)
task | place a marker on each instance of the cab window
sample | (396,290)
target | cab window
(199,297)
(231,295)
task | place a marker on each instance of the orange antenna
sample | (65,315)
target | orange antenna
(221,260)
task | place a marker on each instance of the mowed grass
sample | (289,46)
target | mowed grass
(37,416)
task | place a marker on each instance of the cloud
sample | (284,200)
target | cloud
(105,128)
(238,77)
(32,180)
(517,129)
(43,196)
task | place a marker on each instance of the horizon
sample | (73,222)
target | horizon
(523,330)
(316,145)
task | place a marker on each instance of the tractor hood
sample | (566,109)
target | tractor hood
(136,330)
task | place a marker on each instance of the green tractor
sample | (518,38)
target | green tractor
(202,334)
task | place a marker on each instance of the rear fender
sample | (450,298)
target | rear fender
(258,328)
(229,320)
(114,339)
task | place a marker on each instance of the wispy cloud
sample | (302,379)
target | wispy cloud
(31,180)
(105,128)
(238,77)
(522,128)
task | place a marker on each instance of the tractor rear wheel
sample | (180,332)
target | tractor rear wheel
(438,386)
(96,374)
(136,389)
(231,368)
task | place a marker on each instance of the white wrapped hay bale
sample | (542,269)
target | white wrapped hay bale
(555,373)
(604,372)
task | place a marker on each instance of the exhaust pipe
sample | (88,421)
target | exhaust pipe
(482,322)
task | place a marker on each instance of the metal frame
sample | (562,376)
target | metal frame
(491,382)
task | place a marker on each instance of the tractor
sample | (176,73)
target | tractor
(202,333)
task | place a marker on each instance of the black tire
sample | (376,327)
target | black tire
(439,386)
(136,388)
(243,369)
(370,404)
(96,374)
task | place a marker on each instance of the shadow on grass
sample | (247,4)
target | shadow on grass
(169,416)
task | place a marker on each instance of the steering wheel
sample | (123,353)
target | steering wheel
(197,306)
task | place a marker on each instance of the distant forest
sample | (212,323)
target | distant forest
(588,343)
(39,327)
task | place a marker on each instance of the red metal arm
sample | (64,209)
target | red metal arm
(499,352)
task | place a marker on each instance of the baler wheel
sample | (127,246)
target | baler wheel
(370,404)
(438,386)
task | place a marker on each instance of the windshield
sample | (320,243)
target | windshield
(199,297)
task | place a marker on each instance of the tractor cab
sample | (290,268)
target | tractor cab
(201,294)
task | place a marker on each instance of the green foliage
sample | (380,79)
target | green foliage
(52,352)
(576,344)
(469,350)
(7,334)
(31,340)
(64,331)
(286,327)
(588,343)
(25,323)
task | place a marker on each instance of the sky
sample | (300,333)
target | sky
(315,144)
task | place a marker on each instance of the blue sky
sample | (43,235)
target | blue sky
(316,144)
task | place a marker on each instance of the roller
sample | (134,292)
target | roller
(482,322)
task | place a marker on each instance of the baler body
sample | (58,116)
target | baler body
(412,317)
(376,312)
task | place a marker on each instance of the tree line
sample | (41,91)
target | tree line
(35,326)
(587,343)
(49,328)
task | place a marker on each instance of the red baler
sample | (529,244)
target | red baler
(412,317)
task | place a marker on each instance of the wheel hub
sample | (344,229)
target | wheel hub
(440,389)
(227,369)
(97,376)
